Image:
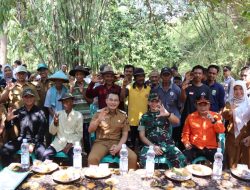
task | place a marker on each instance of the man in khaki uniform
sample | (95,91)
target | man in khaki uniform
(111,127)
(13,93)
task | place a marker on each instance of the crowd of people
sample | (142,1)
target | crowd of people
(181,117)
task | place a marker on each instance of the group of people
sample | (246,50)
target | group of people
(180,117)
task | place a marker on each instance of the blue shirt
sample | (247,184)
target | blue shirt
(170,98)
(218,96)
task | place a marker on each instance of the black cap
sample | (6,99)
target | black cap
(166,70)
(203,98)
(227,68)
(28,91)
(139,71)
(67,96)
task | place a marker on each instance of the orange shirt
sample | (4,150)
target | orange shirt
(199,131)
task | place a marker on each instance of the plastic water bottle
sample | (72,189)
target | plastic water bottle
(150,162)
(25,155)
(217,165)
(123,160)
(77,158)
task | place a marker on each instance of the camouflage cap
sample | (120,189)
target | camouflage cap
(153,96)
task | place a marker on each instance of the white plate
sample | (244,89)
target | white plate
(171,174)
(66,176)
(242,174)
(199,170)
(45,168)
(97,173)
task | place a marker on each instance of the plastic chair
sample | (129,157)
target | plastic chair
(221,142)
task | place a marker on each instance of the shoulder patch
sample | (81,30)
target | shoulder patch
(123,112)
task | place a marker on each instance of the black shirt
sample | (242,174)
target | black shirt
(31,124)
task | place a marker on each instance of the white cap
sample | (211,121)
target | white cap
(24,140)
(124,146)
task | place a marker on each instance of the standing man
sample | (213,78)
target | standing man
(169,94)
(245,76)
(191,89)
(42,87)
(67,128)
(111,127)
(154,79)
(102,90)
(137,94)
(55,93)
(217,90)
(81,102)
(228,80)
(30,121)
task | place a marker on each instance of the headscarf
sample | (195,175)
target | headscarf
(241,114)
(5,77)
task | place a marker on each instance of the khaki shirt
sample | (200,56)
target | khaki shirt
(113,126)
(15,95)
(42,88)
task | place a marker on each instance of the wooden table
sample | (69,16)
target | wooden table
(134,181)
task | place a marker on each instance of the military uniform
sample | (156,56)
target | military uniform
(109,133)
(158,132)
(15,95)
(42,88)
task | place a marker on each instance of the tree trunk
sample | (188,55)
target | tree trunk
(3,48)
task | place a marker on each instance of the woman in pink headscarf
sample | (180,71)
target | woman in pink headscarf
(237,112)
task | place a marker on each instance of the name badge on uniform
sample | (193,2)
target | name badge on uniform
(171,93)
(213,92)
(191,93)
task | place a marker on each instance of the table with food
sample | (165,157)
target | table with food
(49,175)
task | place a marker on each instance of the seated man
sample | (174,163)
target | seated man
(67,126)
(30,121)
(154,129)
(111,127)
(200,130)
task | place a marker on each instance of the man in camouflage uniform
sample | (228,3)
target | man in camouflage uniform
(154,129)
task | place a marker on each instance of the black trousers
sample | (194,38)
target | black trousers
(10,148)
(50,152)
(86,138)
(195,152)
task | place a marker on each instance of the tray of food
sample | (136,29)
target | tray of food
(199,170)
(178,174)
(44,167)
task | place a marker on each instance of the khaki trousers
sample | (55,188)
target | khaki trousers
(101,149)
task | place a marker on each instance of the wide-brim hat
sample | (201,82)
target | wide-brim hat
(67,96)
(59,75)
(80,69)
(41,66)
(139,71)
(108,70)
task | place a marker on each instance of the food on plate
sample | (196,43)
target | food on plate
(111,181)
(188,184)
(30,185)
(15,167)
(91,185)
(44,167)
(65,176)
(180,172)
(157,173)
(97,172)
(241,173)
(199,170)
